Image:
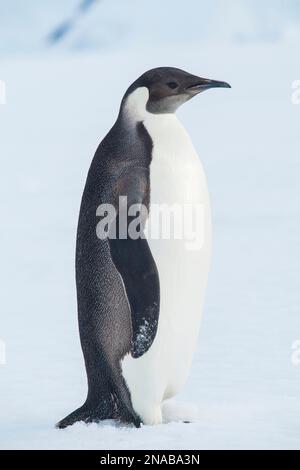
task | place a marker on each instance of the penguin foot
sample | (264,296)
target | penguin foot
(152,415)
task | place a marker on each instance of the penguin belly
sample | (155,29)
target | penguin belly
(176,178)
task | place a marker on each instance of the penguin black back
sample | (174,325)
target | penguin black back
(108,331)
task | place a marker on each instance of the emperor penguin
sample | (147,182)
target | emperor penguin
(140,298)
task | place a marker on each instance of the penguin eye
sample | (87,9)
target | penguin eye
(172,85)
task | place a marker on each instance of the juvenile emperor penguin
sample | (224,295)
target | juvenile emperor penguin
(140,298)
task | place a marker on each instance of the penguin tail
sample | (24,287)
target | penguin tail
(96,414)
(81,414)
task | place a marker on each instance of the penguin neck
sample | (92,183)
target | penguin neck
(134,109)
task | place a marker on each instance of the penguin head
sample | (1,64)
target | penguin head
(168,88)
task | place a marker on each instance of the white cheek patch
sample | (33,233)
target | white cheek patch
(135,105)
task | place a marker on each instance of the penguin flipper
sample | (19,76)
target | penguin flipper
(134,261)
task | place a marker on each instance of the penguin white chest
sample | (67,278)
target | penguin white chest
(178,192)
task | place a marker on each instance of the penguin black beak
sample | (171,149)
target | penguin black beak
(203,84)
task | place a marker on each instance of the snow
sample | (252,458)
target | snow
(243,391)
(108,24)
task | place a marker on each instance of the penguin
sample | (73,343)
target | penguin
(140,298)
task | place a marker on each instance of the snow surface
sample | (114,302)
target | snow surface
(244,391)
